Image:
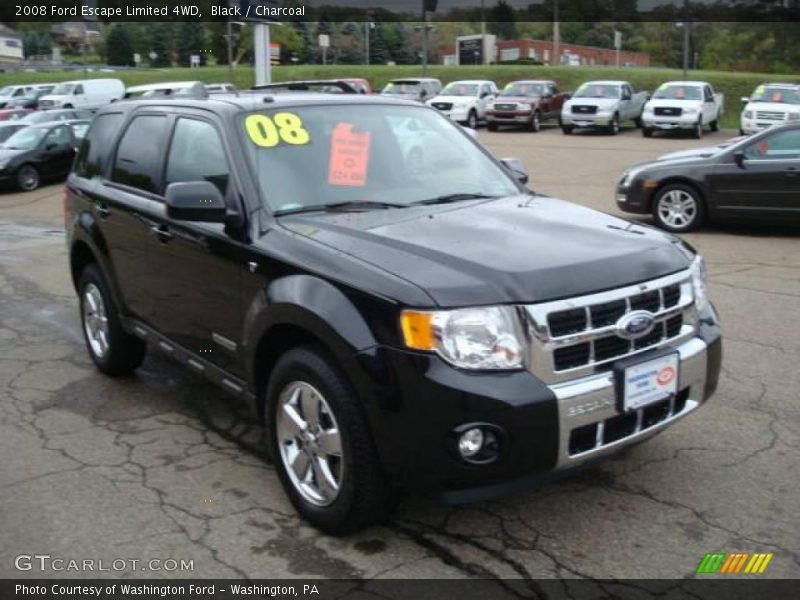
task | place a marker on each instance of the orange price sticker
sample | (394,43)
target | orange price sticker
(349,156)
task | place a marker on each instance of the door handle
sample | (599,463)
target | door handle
(161,232)
(792,172)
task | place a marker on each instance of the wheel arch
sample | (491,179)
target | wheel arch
(680,180)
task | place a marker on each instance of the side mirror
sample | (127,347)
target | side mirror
(517,169)
(485,94)
(745,99)
(195,201)
(738,158)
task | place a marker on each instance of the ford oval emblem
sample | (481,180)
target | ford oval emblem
(635,324)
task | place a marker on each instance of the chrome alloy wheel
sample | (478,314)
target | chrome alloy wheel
(95,320)
(677,208)
(309,442)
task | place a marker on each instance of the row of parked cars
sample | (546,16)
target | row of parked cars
(690,106)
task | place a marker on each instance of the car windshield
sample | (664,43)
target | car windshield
(372,155)
(63,89)
(401,87)
(522,89)
(460,89)
(26,139)
(598,90)
(770,93)
(678,92)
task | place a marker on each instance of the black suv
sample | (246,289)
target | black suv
(396,322)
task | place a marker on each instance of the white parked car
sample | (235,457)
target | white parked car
(605,104)
(90,94)
(465,101)
(9,93)
(770,104)
(685,105)
(170,88)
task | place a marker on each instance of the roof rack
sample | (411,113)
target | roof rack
(329,86)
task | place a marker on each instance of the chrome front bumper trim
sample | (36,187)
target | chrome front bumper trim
(594,399)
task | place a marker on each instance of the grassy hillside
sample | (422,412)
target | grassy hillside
(733,85)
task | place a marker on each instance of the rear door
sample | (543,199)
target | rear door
(195,268)
(127,204)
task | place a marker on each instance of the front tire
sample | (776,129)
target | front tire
(697,132)
(647,132)
(714,125)
(472,120)
(28,178)
(491,126)
(567,129)
(321,444)
(112,349)
(678,208)
(536,122)
(613,127)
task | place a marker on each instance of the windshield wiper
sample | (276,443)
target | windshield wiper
(447,198)
(334,206)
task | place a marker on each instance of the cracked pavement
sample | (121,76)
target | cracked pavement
(163,465)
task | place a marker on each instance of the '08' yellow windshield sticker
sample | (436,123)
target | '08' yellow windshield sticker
(268,132)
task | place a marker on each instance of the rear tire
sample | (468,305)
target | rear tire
(321,444)
(714,125)
(637,122)
(112,349)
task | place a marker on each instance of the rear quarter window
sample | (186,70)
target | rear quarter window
(95,149)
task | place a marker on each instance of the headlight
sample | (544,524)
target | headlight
(567,108)
(793,116)
(626,179)
(748,114)
(469,338)
(700,283)
(648,110)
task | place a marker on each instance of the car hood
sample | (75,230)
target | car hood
(773,106)
(598,102)
(452,99)
(520,249)
(653,103)
(397,95)
(7,154)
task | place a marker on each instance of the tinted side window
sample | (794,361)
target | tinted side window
(96,147)
(78,89)
(139,158)
(197,154)
(59,136)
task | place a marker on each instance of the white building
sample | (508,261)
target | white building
(10,46)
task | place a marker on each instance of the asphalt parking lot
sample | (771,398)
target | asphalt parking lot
(163,466)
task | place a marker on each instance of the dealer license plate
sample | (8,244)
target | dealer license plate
(650,381)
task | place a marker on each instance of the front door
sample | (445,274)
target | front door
(197,267)
(58,151)
(768,178)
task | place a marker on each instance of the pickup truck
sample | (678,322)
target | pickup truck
(526,104)
(771,104)
(605,104)
(465,101)
(683,105)
(429,326)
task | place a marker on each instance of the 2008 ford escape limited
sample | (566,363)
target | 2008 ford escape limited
(392,301)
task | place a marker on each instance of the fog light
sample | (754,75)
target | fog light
(471,442)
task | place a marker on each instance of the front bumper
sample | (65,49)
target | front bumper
(457,114)
(509,118)
(579,120)
(665,123)
(750,126)
(634,198)
(544,429)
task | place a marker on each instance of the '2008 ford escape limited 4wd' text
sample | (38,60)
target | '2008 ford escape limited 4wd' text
(396,323)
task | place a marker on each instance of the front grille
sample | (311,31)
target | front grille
(578,336)
(443,105)
(505,107)
(584,109)
(667,111)
(593,436)
(770,115)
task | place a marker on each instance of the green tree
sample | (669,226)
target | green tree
(502,21)
(190,40)
(378,50)
(160,45)
(119,50)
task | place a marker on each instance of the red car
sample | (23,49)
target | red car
(12,114)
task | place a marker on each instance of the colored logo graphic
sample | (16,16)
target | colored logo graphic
(735,563)
(665,375)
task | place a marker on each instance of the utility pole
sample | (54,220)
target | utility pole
(229,39)
(556,36)
(483,33)
(424,39)
(366,43)
(686,25)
